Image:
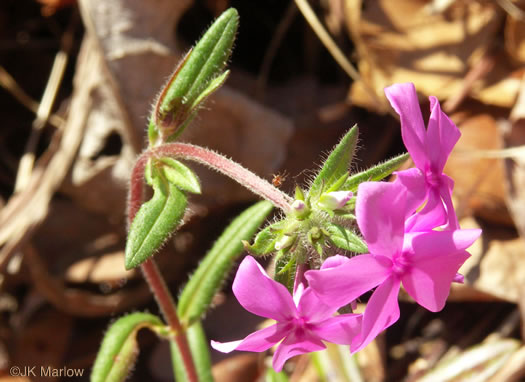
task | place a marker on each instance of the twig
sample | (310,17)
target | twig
(334,50)
(9,84)
(46,104)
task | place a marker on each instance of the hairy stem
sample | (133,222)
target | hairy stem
(154,277)
(227,167)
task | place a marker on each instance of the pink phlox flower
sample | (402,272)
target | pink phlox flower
(303,322)
(429,149)
(425,262)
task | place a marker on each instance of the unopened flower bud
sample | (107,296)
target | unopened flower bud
(284,242)
(335,200)
(299,208)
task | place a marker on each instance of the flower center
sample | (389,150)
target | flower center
(301,326)
(432,178)
(400,264)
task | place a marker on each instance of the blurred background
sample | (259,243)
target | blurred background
(78,78)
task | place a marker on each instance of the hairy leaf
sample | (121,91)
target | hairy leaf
(154,222)
(375,173)
(345,239)
(180,175)
(199,74)
(119,348)
(337,163)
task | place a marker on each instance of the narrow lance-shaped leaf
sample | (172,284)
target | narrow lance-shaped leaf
(155,220)
(214,268)
(375,173)
(200,353)
(199,74)
(119,348)
(337,163)
(344,238)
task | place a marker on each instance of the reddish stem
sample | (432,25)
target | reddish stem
(229,168)
(154,277)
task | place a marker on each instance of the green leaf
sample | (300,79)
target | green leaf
(214,84)
(375,173)
(344,238)
(154,222)
(200,352)
(264,242)
(119,348)
(214,268)
(337,163)
(197,76)
(180,176)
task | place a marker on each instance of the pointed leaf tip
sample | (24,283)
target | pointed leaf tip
(336,165)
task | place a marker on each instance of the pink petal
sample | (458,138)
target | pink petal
(446,194)
(438,243)
(459,278)
(381,311)
(339,330)
(261,295)
(442,135)
(435,259)
(334,261)
(342,285)
(403,98)
(380,211)
(258,341)
(292,346)
(429,281)
(431,216)
(416,189)
(312,308)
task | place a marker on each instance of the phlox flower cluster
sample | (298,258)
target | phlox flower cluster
(413,238)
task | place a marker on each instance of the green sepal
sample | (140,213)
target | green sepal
(200,353)
(199,74)
(155,221)
(214,268)
(344,238)
(285,267)
(375,173)
(299,194)
(264,242)
(119,349)
(336,165)
(338,184)
(180,175)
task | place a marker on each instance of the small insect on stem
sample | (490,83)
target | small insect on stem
(279,179)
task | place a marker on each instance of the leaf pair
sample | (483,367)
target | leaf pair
(159,217)
(199,74)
